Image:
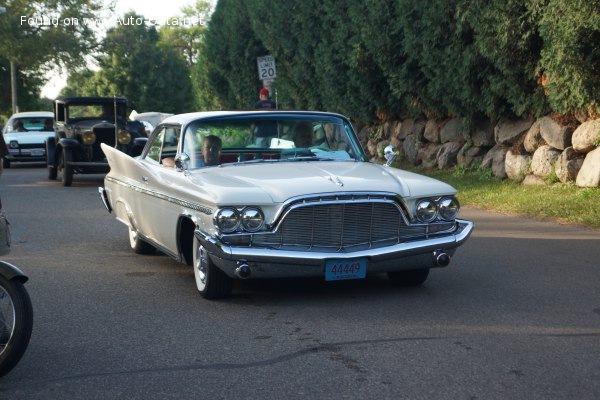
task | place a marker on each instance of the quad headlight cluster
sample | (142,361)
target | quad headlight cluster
(248,219)
(444,208)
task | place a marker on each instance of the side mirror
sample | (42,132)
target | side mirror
(182,162)
(389,153)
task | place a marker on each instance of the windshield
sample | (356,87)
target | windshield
(270,139)
(104,111)
(30,124)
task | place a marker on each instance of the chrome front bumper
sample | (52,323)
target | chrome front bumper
(274,263)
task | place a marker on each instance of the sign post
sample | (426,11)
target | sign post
(267,72)
(266,68)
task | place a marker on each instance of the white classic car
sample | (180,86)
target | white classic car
(263,194)
(25,135)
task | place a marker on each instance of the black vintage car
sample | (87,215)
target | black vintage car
(81,124)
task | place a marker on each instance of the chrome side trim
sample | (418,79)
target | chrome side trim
(104,197)
(180,202)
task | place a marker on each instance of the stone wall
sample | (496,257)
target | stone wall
(528,149)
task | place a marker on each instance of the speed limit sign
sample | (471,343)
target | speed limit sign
(266,68)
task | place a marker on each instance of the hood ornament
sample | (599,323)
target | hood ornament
(336,180)
(390,155)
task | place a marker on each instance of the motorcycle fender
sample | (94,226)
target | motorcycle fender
(9,271)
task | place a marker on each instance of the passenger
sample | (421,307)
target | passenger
(48,125)
(18,126)
(211,150)
(303,135)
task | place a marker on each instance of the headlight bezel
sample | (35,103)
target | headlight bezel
(443,206)
(440,209)
(432,208)
(124,137)
(88,137)
(245,218)
(220,221)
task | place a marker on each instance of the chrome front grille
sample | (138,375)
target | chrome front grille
(344,225)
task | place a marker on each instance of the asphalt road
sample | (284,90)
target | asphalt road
(516,315)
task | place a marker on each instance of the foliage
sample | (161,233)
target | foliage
(410,58)
(186,37)
(133,65)
(570,57)
(231,50)
(37,46)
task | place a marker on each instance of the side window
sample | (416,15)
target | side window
(156,146)
(171,139)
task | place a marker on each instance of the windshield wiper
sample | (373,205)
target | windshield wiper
(308,158)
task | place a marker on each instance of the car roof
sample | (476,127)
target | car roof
(183,119)
(33,114)
(91,99)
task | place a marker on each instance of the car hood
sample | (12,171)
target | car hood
(30,137)
(276,182)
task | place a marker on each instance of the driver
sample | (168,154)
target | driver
(303,135)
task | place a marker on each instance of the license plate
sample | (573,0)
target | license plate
(337,270)
(38,152)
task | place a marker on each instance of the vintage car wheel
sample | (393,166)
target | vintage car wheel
(414,277)
(66,170)
(138,245)
(212,283)
(52,173)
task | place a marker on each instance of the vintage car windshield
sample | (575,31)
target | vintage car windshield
(105,111)
(270,139)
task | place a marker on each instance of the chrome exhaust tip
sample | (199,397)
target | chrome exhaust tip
(441,258)
(243,271)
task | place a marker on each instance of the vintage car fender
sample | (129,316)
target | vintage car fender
(9,271)
(50,150)
(68,143)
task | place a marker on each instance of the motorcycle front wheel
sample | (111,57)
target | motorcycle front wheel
(16,322)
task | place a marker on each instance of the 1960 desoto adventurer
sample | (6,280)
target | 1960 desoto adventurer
(262,194)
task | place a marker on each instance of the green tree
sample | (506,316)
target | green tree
(231,50)
(133,65)
(570,58)
(40,35)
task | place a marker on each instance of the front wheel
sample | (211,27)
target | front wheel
(138,245)
(212,283)
(65,167)
(52,173)
(16,322)
(414,277)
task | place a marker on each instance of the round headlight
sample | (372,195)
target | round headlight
(124,137)
(449,208)
(252,219)
(14,144)
(88,137)
(426,210)
(227,220)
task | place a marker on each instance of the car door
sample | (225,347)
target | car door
(158,208)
